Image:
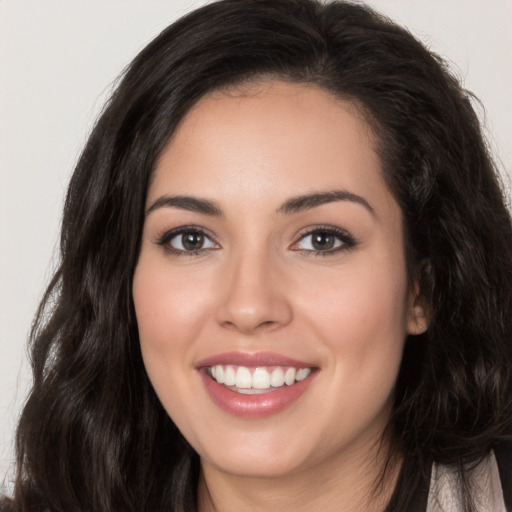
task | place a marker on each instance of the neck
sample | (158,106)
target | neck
(359,483)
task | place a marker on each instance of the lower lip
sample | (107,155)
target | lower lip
(254,406)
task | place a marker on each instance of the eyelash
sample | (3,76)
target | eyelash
(347,241)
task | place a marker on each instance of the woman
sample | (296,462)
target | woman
(285,281)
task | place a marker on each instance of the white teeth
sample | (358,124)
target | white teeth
(289,376)
(229,376)
(260,379)
(277,378)
(302,374)
(219,374)
(245,379)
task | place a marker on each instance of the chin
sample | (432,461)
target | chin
(256,460)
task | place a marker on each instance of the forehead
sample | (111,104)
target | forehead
(294,137)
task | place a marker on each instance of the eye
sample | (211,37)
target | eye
(186,241)
(324,241)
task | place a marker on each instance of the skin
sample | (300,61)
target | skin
(259,285)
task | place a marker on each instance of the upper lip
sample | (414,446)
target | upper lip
(252,360)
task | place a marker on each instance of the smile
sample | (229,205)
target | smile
(255,385)
(242,379)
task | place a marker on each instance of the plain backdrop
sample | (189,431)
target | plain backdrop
(58,62)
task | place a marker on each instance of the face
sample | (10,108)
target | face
(271,290)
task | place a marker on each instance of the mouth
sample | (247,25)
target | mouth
(255,385)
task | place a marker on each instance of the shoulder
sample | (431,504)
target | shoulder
(503,454)
(490,482)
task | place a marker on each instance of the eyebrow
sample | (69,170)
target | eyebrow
(308,201)
(292,205)
(192,204)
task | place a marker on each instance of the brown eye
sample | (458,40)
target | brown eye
(324,241)
(191,241)
(183,241)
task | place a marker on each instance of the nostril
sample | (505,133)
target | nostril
(248,326)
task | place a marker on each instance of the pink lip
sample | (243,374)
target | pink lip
(252,360)
(253,406)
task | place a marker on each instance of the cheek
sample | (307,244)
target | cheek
(359,299)
(360,314)
(168,306)
(362,322)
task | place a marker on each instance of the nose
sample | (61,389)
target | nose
(255,295)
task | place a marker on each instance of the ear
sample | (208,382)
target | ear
(417,311)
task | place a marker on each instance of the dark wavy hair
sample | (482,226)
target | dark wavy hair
(93,436)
